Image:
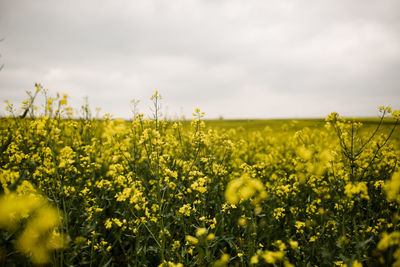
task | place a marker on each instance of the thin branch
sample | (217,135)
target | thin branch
(379,148)
(372,136)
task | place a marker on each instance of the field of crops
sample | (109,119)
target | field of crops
(150,192)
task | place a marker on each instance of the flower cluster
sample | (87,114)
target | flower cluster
(155,192)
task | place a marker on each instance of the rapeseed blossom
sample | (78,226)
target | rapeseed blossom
(39,236)
(359,188)
(150,191)
(245,188)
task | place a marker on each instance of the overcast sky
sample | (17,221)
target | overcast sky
(230,58)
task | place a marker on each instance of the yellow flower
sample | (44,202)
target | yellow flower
(201,232)
(222,261)
(210,237)
(108,224)
(14,208)
(293,244)
(392,188)
(359,188)
(244,188)
(39,237)
(272,257)
(254,259)
(117,222)
(287,264)
(170,264)
(192,239)
(242,221)
(185,210)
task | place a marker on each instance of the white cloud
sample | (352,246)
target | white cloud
(235,58)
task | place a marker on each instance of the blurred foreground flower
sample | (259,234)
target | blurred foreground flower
(40,237)
(244,188)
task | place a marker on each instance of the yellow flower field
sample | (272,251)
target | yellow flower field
(153,192)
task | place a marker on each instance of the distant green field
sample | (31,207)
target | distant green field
(289,126)
(259,125)
(280,124)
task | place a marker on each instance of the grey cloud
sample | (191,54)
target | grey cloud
(226,57)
